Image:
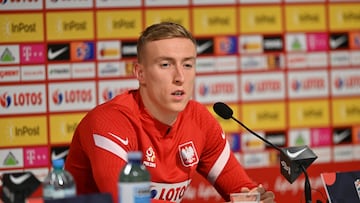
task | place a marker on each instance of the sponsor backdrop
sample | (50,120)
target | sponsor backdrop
(290,69)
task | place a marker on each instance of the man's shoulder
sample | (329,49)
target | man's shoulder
(127,99)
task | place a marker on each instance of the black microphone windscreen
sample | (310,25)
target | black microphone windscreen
(223,110)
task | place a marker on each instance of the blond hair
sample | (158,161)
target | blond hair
(159,31)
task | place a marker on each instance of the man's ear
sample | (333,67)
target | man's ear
(139,72)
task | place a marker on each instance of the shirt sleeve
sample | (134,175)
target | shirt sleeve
(98,150)
(218,163)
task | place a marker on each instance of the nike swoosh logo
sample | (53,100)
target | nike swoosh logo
(223,135)
(19,180)
(52,55)
(124,141)
(335,43)
(295,154)
(338,137)
(61,155)
(201,48)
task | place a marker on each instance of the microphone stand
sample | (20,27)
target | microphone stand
(226,112)
(307,187)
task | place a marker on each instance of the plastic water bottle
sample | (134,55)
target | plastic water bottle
(59,183)
(134,181)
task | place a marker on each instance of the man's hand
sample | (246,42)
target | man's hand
(265,196)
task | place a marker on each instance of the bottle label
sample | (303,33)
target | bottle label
(51,193)
(138,192)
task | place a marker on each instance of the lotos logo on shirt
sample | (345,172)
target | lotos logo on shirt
(169,192)
(188,154)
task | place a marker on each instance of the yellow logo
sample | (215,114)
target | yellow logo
(70,25)
(344,16)
(21,27)
(209,21)
(180,16)
(23,131)
(309,113)
(305,18)
(260,19)
(264,116)
(118,24)
(62,127)
(346,111)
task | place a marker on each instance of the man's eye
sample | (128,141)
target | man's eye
(165,65)
(188,65)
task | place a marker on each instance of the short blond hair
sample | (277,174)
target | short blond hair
(159,31)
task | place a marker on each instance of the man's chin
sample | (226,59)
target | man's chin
(177,108)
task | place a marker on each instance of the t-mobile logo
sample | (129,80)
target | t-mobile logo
(30,155)
(32,53)
(27,52)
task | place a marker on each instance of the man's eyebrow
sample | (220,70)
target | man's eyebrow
(172,59)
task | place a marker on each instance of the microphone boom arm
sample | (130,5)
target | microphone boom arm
(258,136)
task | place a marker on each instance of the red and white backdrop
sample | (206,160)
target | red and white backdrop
(290,69)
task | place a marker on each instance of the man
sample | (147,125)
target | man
(177,136)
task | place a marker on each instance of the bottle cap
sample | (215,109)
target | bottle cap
(134,155)
(58,163)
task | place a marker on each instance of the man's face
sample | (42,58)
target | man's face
(166,75)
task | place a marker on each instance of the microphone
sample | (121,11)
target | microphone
(293,160)
(225,112)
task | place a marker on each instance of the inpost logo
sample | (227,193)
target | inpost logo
(21,27)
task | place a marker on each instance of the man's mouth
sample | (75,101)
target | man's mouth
(178,93)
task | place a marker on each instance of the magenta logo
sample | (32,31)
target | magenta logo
(32,53)
(317,42)
(36,156)
(5,100)
(321,137)
(57,97)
